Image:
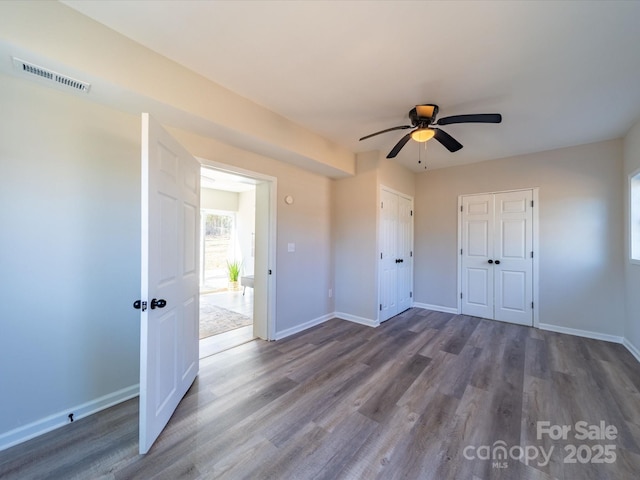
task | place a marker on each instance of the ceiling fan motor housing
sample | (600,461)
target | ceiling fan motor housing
(423,115)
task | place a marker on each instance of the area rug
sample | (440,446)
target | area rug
(214,320)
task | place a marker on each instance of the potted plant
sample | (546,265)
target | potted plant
(233,269)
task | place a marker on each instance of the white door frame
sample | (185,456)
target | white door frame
(536,248)
(271,256)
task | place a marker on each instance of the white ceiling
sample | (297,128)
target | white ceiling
(560,73)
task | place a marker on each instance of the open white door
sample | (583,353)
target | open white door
(169,283)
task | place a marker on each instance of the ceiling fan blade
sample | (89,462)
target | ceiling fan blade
(447,140)
(474,118)
(401,127)
(403,141)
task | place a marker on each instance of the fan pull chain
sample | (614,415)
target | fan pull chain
(425,154)
(420,155)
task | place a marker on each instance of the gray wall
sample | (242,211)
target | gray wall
(69,252)
(581,231)
(354,240)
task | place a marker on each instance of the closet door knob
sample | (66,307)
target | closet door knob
(490,261)
(497,262)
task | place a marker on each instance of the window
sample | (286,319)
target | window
(634,216)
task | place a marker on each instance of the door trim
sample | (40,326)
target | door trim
(271,255)
(536,249)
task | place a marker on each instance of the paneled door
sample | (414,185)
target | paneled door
(477,255)
(396,254)
(388,255)
(497,256)
(169,278)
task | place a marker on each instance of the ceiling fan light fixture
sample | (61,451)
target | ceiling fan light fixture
(422,134)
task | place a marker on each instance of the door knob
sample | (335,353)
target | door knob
(158,303)
(497,262)
(490,261)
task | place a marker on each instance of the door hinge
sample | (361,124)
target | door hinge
(531,254)
(460,294)
(460,251)
(532,203)
(411,213)
(381,204)
(410,294)
(461,208)
(380,255)
(411,253)
(531,305)
(380,307)
(269,271)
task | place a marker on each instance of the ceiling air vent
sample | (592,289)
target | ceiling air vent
(50,75)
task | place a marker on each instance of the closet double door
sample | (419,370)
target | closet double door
(396,254)
(497,256)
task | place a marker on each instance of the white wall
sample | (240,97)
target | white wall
(69,254)
(213,199)
(581,231)
(246,225)
(631,271)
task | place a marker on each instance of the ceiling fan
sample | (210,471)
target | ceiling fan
(423,119)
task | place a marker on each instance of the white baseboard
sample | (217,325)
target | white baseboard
(635,351)
(581,333)
(437,308)
(355,319)
(60,419)
(303,326)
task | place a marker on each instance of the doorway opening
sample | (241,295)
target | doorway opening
(227,260)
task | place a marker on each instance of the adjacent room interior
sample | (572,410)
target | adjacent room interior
(227,259)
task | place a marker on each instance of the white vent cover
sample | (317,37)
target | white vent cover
(50,75)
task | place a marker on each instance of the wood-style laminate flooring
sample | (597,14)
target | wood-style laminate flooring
(427,395)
